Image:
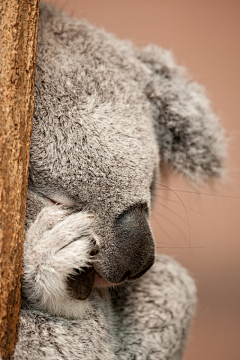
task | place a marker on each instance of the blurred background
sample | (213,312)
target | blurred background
(198,227)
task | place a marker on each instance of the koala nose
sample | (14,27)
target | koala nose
(134,245)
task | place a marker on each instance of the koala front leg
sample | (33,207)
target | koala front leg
(152,314)
(58,254)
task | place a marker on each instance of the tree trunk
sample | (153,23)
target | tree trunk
(18,39)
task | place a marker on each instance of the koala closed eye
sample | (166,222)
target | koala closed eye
(58,256)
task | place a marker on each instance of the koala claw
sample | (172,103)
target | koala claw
(95,249)
(80,284)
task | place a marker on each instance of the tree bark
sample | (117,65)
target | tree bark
(18,39)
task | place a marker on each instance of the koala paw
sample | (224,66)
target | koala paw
(59,250)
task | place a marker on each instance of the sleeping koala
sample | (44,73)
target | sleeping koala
(106,115)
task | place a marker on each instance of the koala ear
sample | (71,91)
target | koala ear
(191,140)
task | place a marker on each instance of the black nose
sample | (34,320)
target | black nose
(134,246)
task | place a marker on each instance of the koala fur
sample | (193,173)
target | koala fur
(106,115)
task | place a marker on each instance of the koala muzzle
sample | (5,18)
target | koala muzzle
(134,249)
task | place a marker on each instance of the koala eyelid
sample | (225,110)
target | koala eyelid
(61,200)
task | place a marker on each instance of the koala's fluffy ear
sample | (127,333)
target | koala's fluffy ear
(191,140)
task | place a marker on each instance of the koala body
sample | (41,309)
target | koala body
(106,115)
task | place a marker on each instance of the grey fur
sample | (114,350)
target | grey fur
(144,320)
(106,114)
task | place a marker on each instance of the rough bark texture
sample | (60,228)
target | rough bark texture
(18,39)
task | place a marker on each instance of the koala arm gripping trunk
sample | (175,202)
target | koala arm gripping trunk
(191,140)
(145,319)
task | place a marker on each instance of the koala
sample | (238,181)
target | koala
(107,115)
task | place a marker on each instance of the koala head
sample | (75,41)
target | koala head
(106,115)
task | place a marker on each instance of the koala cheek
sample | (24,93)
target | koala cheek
(80,284)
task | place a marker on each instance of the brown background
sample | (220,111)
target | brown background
(204,37)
